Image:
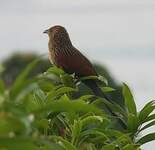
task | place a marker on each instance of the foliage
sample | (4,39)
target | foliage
(15,64)
(40,113)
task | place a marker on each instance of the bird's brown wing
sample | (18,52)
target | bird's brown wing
(75,62)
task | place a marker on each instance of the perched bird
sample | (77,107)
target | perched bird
(64,55)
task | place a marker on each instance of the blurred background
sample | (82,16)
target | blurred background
(119,34)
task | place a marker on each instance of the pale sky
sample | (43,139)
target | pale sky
(93,25)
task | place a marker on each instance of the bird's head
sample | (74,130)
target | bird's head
(58,35)
(55,30)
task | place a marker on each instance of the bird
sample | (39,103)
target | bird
(64,55)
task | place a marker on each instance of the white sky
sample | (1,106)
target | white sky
(99,24)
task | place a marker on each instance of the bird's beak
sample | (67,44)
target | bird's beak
(46,31)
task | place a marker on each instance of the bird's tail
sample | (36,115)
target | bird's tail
(92,84)
(98,92)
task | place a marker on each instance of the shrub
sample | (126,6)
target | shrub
(40,113)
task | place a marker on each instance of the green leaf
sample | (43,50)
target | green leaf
(67,145)
(92,120)
(48,76)
(107,89)
(109,147)
(17,144)
(130,147)
(53,147)
(46,85)
(115,133)
(145,112)
(68,106)
(88,78)
(151,117)
(39,97)
(94,132)
(113,106)
(28,87)
(10,124)
(59,91)
(129,100)
(86,97)
(21,78)
(55,70)
(2,69)
(67,80)
(2,87)
(122,140)
(132,123)
(87,146)
(31,103)
(76,129)
(147,138)
(152,123)
(103,79)
(27,143)
(63,90)
(43,123)
(120,110)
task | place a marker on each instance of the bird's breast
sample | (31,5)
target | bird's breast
(52,56)
(56,58)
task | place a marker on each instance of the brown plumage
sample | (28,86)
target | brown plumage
(64,55)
